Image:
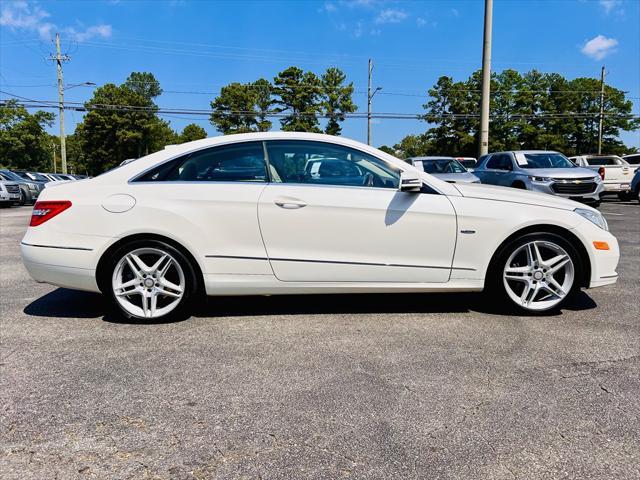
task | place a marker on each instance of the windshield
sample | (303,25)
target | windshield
(543,160)
(12,176)
(39,177)
(443,165)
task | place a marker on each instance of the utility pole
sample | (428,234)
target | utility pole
(370,95)
(369,103)
(602,74)
(486,78)
(59,58)
(53,147)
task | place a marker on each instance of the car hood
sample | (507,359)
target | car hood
(515,195)
(465,177)
(577,172)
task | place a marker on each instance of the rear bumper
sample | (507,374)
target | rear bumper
(63,267)
(620,187)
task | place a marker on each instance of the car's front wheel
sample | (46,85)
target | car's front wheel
(536,272)
(150,280)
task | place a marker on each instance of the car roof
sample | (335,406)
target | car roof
(524,151)
(443,157)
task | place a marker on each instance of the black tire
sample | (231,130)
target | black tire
(625,196)
(190,298)
(23,197)
(495,288)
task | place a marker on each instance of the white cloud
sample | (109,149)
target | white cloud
(328,7)
(357,32)
(421,22)
(455,12)
(610,5)
(101,31)
(599,47)
(21,15)
(29,17)
(391,15)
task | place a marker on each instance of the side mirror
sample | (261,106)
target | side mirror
(410,181)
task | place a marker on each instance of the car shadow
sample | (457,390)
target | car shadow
(64,303)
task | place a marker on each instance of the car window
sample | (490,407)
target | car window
(632,159)
(242,162)
(602,161)
(443,165)
(299,161)
(500,161)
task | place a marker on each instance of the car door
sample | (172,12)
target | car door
(490,172)
(210,197)
(352,229)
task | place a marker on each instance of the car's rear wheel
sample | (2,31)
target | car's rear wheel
(536,272)
(625,196)
(150,280)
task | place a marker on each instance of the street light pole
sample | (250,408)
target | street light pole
(486,78)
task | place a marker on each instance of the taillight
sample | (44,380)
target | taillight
(46,210)
(601,171)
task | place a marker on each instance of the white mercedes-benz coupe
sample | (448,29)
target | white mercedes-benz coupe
(299,213)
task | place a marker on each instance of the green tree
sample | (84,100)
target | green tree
(446,109)
(413,146)
(192,132)
(387,149)
(24,143)
(242,108)
(121,123)
(144,84)
(262,90)
(530,111)
(336,99)
(299,96)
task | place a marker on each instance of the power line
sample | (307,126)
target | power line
(79,107)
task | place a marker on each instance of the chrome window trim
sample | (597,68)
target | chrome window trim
(133,180)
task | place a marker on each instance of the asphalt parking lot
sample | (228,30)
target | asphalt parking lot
(369,386)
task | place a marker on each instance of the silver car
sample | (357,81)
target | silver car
(445,168)
(9,193)
(540,171)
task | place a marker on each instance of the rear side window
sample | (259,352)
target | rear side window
(602,161)
(243,162)
(632,159)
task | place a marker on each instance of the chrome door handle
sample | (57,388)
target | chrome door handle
(290,204)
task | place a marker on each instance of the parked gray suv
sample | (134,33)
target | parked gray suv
(540,171)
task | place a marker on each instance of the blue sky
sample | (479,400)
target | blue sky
(195,47)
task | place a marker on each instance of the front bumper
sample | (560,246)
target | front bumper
(9,197)
(603,262)
(559,189)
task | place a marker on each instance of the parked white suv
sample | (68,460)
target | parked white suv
(616,173)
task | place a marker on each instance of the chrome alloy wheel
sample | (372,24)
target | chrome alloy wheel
(148,283)
(538,275)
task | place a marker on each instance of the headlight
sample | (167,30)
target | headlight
(33,186)
(540,179)
(597,179)
(594,217)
